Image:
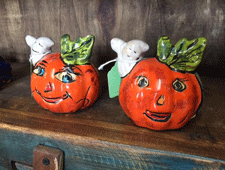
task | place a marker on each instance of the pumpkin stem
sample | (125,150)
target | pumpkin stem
(184,56)
(77,52)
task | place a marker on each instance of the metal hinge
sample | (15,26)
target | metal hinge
(44,158)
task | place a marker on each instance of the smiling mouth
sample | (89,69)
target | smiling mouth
(34,51)
(56,99)
(157,117)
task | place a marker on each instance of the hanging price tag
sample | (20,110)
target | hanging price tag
(114,81)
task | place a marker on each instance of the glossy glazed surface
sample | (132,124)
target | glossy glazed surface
(39,47)
(156,97)
(63,89)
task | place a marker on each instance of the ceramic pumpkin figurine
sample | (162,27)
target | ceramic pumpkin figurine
(164,92)
(66,82)
(158,93)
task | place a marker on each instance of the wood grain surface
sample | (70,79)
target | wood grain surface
(143,19)
(106,121)
(87,153)
(103,136)
(82,152)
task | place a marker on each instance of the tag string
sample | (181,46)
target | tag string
(102,65)
(120,61)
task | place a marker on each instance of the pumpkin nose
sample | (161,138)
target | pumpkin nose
(48,87)
(161,100)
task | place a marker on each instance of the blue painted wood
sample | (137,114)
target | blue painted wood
(5,72)
(87,153)
(2,168)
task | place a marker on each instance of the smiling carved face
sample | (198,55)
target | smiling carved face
(158,98)
(61,88)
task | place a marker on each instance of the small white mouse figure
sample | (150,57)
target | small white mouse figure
(128,54)
(39,47)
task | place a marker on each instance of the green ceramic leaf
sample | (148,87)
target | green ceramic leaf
(77,52)
(164,48)
(184,56)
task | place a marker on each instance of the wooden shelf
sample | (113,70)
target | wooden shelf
(106,124)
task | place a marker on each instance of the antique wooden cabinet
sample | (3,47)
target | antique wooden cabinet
(102,136)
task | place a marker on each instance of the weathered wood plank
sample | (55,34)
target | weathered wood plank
(126,134)
(144,19)
(203,136)
(11,28)
(88,153)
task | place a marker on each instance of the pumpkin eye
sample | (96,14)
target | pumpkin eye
(66,77)
(39,71)
(142,81)
(179,86)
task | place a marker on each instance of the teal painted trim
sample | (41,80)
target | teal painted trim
(84,153)
(3,168)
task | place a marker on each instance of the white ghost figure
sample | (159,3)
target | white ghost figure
(39,47)
(128,54)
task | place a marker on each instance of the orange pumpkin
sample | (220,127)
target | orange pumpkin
(62,88)
(158,98)
(164,93)
(65,82)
